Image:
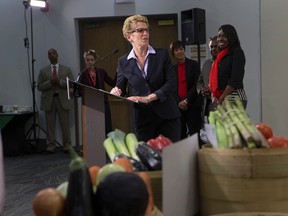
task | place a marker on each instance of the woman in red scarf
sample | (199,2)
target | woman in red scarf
(227,72)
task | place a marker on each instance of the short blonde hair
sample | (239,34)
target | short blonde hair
(130,24)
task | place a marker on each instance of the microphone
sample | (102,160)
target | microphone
(101,59)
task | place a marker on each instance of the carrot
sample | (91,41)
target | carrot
(125,163)
(93,171)
(146,178)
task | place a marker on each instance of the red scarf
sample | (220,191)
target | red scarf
(213,77)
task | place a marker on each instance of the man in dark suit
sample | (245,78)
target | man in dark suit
(151,81)
(54,100)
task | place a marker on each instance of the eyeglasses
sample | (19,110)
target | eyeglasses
(141,30)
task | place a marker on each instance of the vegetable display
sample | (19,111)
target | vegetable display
(143,156)
(78,194)
(234,128)
(75,196)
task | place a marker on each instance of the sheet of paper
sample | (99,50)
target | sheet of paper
(211,134)
(180,185)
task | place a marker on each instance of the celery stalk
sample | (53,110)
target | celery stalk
(220,131)
(110,148)
(118,138)
(259,139)
(237,118)
(234,139)
(131,142)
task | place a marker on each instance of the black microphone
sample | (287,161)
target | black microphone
(101,59)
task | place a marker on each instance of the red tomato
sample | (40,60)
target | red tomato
(265,129)
(164,140)
(153,143)
(278,142)
(159,142)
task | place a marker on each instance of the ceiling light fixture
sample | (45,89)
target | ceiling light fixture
(38,3)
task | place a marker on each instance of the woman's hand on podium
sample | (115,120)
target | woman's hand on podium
(116,91)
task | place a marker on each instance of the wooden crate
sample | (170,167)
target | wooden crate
(253,214)
(243,180)
(157,189)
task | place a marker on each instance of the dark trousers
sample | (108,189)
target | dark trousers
(191,122)
(155,126)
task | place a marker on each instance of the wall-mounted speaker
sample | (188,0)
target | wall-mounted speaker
(193,26)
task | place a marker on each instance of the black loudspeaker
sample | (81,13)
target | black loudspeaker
(193,25)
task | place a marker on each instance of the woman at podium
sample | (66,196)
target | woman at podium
(97,77)
(151,81)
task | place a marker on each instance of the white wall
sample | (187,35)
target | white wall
(57,28)
(274,70)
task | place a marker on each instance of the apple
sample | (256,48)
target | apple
(108,169)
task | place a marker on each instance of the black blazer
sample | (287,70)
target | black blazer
(102,77)
(161,80)
(192,76)
(231,69)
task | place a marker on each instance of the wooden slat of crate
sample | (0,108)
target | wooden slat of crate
(216,207)
(242,189)
(157,189)
(227,162)
(253,214)
(269,163)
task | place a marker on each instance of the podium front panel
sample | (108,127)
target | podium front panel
(93,127)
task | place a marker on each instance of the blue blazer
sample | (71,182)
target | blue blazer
(161,80)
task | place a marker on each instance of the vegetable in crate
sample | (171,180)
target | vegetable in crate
(48,202)
(265,129)
(125,163)
(80,197)
(93,171)
(118,138)
(107,170)
(278,142)
(147,180)
(132,142)
(110,148)
(137,164)
(159,142)
(150,157)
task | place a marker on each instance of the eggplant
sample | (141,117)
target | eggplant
(80,196)
(150,157)
(137,165)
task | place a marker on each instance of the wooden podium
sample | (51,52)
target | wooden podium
(93,120)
